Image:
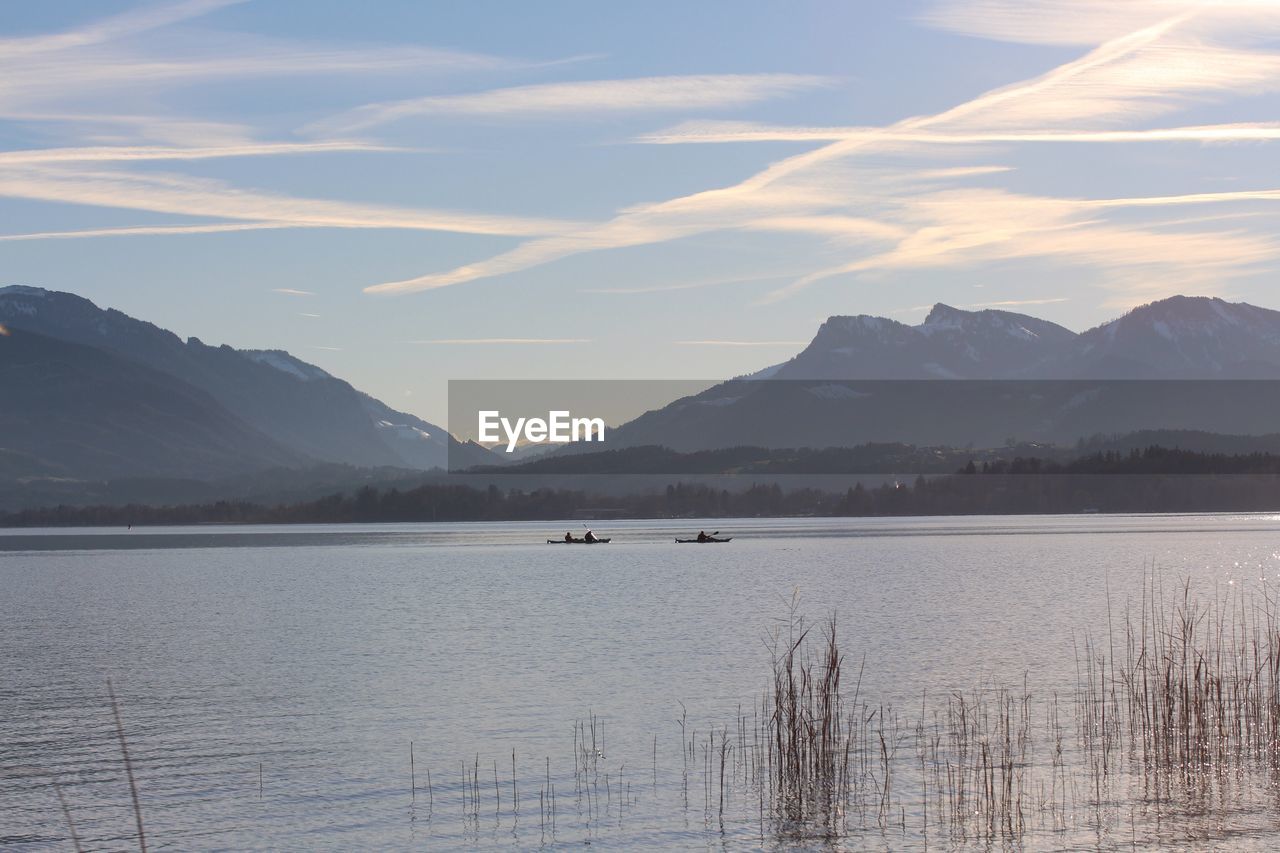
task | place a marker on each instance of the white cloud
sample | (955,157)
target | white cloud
(125,153)
(87,83)
(120,26)
(177,194)
(145,231)
(92,127)
(1082,22)
(636,226)
(891,214)
(879,197)
(645,94)
(732,131)
(111,55)
(960,228)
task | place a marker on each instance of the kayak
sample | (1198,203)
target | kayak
(604,541)
(703,541)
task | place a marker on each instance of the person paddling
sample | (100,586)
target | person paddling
(568,536)
(590,537)
(702,536)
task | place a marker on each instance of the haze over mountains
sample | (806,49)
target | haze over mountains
(1053,384)
(1177,338)
(94,393)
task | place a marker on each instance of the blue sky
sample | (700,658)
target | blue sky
(407,192)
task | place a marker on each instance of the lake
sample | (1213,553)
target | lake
(270,680)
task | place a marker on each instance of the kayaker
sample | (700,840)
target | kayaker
(568,536)
(590,537)
(702,536)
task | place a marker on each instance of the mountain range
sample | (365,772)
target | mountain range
(1177,338)
(96,394)
(91,394)
(872,379)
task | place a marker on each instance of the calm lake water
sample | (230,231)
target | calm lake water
(271,679)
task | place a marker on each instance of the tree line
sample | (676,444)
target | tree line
(1155,479)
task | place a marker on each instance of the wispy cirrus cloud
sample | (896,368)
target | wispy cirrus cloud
(129,23)
(146,231)
(1148,61)
(733,131)
(69,84)
(179,194)
(1073,23)
(91,127)
(634,95)
(290,291)
(127,153)
(71,66)
(59,185)
(879,198)
(59,79)
(962,228)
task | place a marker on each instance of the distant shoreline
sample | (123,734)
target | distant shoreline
(959,495)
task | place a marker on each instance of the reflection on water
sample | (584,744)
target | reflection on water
(271,681)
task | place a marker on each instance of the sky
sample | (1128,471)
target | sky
(406,193)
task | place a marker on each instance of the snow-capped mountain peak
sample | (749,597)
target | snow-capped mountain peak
(24,290)
(1186,337)
(283,361)
(1179,337)
(951,343)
